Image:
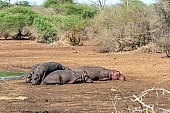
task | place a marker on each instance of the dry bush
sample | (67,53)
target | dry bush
(160,25)
(34,34)
(73,38)
(109,41)
(148,101)
(164,44)
(61,40)
(149,48)
(68,38)
(121,28)
(106,43)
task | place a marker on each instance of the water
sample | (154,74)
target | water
(9,77)
(6,75)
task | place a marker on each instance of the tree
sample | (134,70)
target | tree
(55,3)
(23,3)
(15,19)
(99,3)
(161,27)
(124,25)
(4,4)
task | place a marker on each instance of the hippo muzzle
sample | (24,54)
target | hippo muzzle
(36,80)
(116,75)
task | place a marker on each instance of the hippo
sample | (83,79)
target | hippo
(33,68)
(61,77)
(102,74)
(43,70)
(30,73)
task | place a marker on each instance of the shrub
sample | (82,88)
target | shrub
(46,28)
(70,22)
(84,11)
(4,4)
(127,27)
(106,43)
(73,38)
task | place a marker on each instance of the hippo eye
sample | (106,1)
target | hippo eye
(37,76)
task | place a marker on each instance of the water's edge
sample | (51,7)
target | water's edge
(6,75)
(10,77)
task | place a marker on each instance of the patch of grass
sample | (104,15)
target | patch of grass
(5,73)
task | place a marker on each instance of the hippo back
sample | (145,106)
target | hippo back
(64,77)
(96,72)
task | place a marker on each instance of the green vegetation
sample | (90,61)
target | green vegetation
(126,26)
(56,3)
(16,18)
(45,28)
(5,73)
(23,3)
(4,4)
(84,11)
(70,22)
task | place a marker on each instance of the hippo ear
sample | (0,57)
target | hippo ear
(85,72)
(118,73)
(31,73)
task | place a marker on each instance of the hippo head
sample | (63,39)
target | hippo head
(86,77)
(29,77)
(116,75)
(36,79)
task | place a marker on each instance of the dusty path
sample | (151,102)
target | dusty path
(143,71)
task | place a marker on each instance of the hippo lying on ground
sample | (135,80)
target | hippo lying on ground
(43,70)
(67,77)
(30,73)
(100,73)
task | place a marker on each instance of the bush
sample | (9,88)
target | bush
(70,22)
(84,11)
(127,27)
(4,4)
(106,43)
(46,28)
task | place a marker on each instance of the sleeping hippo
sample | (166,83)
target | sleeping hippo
(33,68)
(67,77)
(43,70)
(100,73)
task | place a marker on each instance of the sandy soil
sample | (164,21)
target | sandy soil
(143,71)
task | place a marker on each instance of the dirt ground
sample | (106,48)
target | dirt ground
(143,72)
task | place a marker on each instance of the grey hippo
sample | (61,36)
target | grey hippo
(61,77)
(101,74)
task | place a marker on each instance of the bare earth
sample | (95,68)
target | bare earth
(143,71)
